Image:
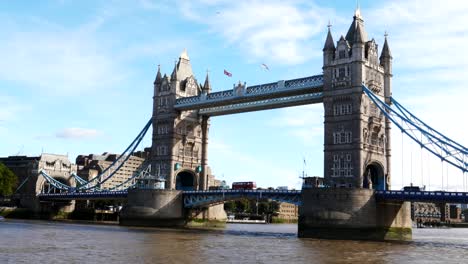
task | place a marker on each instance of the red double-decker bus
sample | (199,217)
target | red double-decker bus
(244,185)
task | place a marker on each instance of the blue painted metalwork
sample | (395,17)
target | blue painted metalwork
(78,179)
(83,195)
(97,181)
(56,184)
(193,199)
(436,143)
(267,103)
(258,93)
(196,199)
(423,196)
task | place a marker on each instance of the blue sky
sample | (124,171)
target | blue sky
(76,76)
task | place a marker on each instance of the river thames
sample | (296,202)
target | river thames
(24,241)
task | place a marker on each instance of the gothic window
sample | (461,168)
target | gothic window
(342,165)
(162,129)
(342,109)
(342,137)
(342,54)
(374,139)
(161,150)
(341,73)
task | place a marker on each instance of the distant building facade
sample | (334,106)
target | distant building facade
(90,166)
(27,170)
(288,212)
(312,182)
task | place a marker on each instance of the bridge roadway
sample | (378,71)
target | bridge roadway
(193,199)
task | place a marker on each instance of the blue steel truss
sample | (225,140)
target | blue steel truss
(293,100)
(428,138)
(95,183)
(194,199)
(258,97)
(104,176)
(97,195)
(197,199)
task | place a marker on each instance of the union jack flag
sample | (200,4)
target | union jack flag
(227,73)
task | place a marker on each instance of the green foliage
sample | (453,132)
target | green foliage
(8,181)
(265,207)
(230,206)
(242,205)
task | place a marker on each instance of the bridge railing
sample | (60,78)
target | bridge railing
(269,90)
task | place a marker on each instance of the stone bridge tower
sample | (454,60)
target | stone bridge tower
(179,140)
(356,146)
(357,135)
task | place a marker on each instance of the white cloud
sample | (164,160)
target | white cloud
(277,31)
(56,62)
(77,133)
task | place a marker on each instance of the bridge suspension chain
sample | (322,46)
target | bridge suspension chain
(96,182)
(435,142)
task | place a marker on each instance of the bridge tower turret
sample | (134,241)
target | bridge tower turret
(177,137)
(356,133)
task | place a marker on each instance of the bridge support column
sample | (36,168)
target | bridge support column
(151,207)
(352,214)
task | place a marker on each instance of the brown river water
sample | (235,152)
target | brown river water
(24,241)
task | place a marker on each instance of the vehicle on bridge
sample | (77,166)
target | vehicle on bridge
(244,185)
(413,188)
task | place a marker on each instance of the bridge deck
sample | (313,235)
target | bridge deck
(200,198)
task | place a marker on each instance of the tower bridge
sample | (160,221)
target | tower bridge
(355,88)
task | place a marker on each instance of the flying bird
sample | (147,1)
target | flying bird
(264,66)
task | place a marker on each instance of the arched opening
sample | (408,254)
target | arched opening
(49,188)
(185,181)
(374,177)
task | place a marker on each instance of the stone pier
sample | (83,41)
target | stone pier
(352,214)
(151,207)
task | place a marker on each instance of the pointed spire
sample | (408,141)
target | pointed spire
(359,35)
(329,43)
(357,12)
(207,85)
(158,75)
(358,22)
(184,55)
(174,72)
(385,50)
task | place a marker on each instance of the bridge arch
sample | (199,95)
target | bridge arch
(186,180)
(208,198)
(374,176)
(47,187)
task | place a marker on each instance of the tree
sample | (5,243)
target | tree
(230,206)
(8,180)
(243,205)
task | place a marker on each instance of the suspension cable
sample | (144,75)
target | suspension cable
(421,164)
(442,170)
(439,145)
(411,163)
(142,132)
(402,160)
(428,172)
